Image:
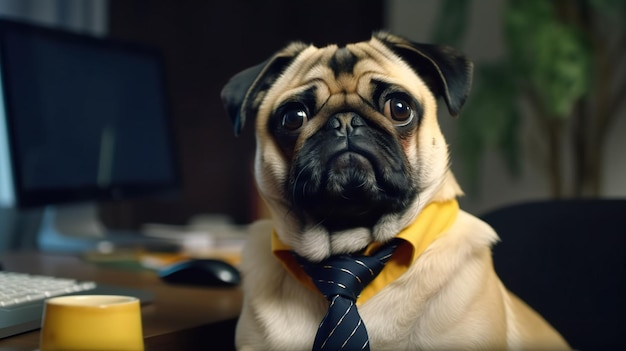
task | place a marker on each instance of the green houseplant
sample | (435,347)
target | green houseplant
(564,68)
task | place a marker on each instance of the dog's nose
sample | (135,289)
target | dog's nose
(345,123)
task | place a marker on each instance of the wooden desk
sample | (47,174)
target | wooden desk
(180,318)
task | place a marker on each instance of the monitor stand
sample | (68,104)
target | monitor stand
(77,229)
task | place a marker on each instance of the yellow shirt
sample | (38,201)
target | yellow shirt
(434,220)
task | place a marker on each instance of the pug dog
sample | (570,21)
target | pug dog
(350,155)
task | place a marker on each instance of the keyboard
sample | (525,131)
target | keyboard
(18,288)
(22,298)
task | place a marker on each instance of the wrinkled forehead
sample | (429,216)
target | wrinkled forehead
(344,70)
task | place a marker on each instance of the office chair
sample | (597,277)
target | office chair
(567,259)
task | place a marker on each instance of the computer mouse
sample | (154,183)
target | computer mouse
(201,272)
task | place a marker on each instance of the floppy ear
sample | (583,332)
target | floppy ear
(243,94)
(446,71)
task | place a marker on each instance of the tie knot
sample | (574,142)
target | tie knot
(346,275)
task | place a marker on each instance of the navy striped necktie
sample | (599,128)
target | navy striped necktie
(341,279)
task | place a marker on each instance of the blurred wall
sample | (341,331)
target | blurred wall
(77,15)
(484,42)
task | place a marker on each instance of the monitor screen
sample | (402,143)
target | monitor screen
(81,119)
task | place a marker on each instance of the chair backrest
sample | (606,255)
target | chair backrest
(567,259)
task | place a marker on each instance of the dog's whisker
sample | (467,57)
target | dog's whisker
(295,181)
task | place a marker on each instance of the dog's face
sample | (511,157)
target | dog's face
(348,145)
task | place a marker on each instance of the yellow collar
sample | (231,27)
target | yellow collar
(433,221)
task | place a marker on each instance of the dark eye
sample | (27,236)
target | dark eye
(399,111)
(294,118)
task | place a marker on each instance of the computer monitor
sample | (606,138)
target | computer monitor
(82,119)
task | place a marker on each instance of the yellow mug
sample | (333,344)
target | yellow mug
(92,322)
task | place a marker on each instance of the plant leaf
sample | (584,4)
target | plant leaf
(451,22)
(552,57)
(489,121)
